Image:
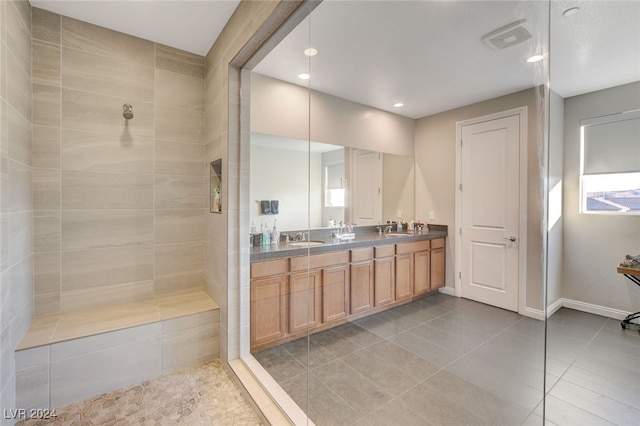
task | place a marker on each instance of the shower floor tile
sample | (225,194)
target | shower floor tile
(201,395)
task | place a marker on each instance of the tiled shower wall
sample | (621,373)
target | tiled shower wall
(119,205)
(16,231)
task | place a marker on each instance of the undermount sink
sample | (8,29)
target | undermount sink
(311,243)
(398,234)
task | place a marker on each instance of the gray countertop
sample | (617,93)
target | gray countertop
(362,239)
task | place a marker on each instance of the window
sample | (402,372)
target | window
(334,185)
(610,164)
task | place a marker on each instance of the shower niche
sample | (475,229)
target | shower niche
(215,186)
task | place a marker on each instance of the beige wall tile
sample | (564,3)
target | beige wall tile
(94,39)
(103,114)
(179,61)
(83,229)
(46,189)
(20,235)
(95,151)
(18,27)
(180,192)
(46,230)
(46,147)
(46,105)
(4,122)
(106,75)
(173,158)
(46,304)
(189,347)
(45,63)
(179,125)
(18,137)
(45,25)
(104,190)
(19,187)
(179,91)
(104,267)
(46,272)
(21,284)
(178,259)
(98,297)
(32,388)
(178,226)
(168,285)
(19,86)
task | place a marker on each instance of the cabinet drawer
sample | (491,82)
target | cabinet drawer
(360,255)
(437,243)
(269,267)
(316,261)
(384,251)
(413,247)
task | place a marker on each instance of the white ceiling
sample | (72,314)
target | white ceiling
(427,54)
(191,25)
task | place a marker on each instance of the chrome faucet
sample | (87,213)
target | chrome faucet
(388,229)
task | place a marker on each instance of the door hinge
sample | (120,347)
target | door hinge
(460,187)
(461,142)
(460,231)
(460,275)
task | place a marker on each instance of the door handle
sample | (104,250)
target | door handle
(512,238)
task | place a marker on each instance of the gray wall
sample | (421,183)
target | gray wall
(16,205)
(435,178)
(595,244)
(555,170)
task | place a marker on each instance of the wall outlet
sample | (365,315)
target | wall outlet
(399,214)
(432,215)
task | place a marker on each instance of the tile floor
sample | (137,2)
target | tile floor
(201,395)
(449,361)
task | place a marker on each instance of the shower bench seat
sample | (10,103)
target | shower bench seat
(74,356)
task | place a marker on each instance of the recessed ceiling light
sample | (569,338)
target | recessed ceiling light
(304,76)
(311,51)
(398,105)
(571,11)
(535,58)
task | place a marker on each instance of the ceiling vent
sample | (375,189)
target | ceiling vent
(507,36)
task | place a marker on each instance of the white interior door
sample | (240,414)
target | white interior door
(366,188)
(490,211)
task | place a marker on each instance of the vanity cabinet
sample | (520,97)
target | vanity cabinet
(361,291)
(384,276)
(294,295)
(437,267)
(412,271)
(269,284)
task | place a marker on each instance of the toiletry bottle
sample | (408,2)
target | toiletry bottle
(266,239)
(275,235)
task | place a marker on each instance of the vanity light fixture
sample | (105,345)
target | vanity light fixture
(571,11)
(535,58)
(398,105)
(304,76)
(311,51)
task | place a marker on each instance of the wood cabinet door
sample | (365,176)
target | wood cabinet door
(268,309)
(335,293)
(404,276)
(421,272)
(437,267)
(361,294)
(305,300)
(384,281)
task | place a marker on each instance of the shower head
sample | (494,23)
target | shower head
(127,111)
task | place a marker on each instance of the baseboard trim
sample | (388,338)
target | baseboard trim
(447,290)
(590,308)
(533,313)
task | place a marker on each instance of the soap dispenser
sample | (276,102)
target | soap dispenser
(275,235)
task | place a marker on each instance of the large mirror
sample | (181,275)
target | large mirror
(382,191)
